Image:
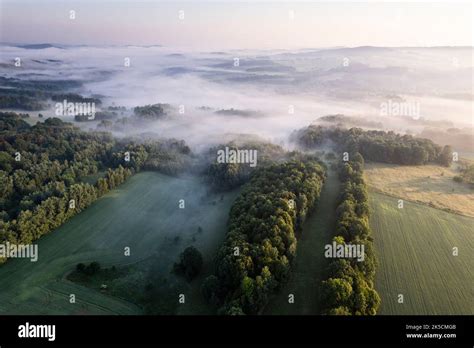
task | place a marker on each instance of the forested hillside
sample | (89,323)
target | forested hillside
(43,171)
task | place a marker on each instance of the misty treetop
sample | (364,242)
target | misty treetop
(152,112)
(227,176)
(377,146)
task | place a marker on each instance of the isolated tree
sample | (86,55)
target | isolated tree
(446,156)
(190,263)
(80,267)
(210,289)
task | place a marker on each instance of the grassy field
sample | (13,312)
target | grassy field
(310,263)
(428,184)
(143,215)
(414,246)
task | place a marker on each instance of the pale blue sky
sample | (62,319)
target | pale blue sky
(231,24)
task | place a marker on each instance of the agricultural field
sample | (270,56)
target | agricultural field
(310,264)
(427,184)
(414,247)
(141,214)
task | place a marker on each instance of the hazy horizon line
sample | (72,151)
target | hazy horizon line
(14,44)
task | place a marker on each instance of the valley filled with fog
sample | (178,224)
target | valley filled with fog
(217,96)
(237,158)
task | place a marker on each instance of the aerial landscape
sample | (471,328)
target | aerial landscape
(189,171)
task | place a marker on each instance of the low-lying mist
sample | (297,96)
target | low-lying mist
(218,96)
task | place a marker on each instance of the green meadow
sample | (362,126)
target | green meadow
(144,215)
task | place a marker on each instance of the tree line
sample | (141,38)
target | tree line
(260,245)
(378,146)
(35,95)
(349,287)
(43,170)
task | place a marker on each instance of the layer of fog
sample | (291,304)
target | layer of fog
(286,89)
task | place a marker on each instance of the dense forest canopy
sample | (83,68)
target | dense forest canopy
(377,146)
(44,170)
(227,176)
(261,243)
(349,288)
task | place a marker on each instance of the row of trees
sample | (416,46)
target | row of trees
(21,102)
(43,161)
(378,146)
(43,171)
(261,244)
(35,95)
(52,212)
(349,288)
(75,98)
